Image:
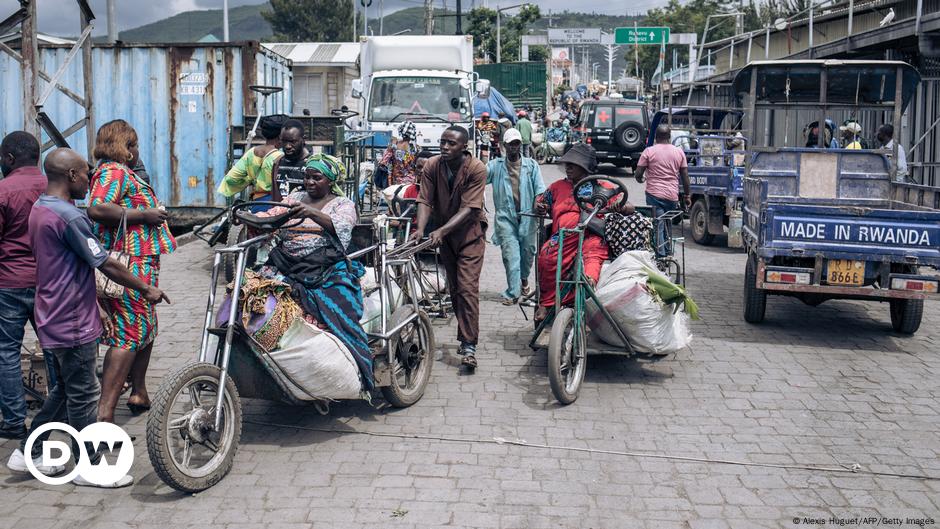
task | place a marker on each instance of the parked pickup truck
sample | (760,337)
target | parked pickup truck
(822,223)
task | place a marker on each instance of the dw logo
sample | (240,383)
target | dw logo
(109,441)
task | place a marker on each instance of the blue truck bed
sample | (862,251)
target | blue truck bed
(717,181)
(791,226)
(823,224)
(841,204)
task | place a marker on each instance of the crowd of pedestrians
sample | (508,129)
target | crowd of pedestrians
(56,261)
(50,253)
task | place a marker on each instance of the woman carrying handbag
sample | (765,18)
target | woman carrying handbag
(129,219)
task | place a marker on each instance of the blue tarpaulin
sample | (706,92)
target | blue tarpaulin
(494,104)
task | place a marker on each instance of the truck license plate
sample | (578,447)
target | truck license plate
(846,272)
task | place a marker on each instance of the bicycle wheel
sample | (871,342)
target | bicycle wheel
(185,449)
(411,353)
(670,268)
(567,360)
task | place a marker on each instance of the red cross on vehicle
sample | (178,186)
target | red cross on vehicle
(603,117)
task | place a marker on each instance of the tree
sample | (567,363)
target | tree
(481,23)
(310,20)
(539,53)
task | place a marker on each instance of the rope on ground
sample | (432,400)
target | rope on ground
(855,468)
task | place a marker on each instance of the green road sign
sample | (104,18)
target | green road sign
(641,36)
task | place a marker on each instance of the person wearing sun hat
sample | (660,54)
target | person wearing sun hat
(558,201)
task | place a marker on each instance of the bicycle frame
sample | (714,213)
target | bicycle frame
(579,282)
(667,247)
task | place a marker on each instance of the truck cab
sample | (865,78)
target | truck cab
(824,222)
(427,80)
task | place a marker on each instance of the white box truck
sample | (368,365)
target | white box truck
(427,80)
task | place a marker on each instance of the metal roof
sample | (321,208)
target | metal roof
(317,53)
(41,37)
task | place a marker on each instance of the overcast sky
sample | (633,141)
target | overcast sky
(60,17)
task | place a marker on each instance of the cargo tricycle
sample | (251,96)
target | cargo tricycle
(570,340)
(195,422)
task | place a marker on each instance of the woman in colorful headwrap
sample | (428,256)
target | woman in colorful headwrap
(401,157)
(311,257)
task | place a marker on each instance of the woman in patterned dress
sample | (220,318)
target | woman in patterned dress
(401,157)
(116,192)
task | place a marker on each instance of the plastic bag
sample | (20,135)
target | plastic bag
(368,282)
(651,326)
(433,277)
(316,364)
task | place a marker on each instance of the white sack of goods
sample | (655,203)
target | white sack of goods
(368,281)
(366,170)
(433,277)
(316,364)
(651,311)
(371,320)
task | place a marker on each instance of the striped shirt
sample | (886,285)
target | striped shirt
(115,183)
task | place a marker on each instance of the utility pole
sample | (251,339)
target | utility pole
(636,52)
(112,23)
(428,17)
(224,19)
(459,19)
(611,52)
(365,17)
(381,17)
(499,38)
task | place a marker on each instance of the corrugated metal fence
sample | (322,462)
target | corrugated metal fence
(182,100)
(522,83)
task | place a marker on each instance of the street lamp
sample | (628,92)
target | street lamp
(401,32)
(499,41)
(594,70)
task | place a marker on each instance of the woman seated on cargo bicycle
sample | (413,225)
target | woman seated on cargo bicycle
(559,203)
(311,258)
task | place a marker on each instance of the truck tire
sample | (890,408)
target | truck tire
(698,219)
(629,136)
(906,315)
(755,299)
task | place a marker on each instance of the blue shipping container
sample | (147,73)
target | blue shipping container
(182,99)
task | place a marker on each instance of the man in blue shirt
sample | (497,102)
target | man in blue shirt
(516,182)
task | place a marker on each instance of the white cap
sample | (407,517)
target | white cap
(512,135)
(852,126)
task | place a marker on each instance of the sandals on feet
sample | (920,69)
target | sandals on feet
(509,301)
(470,361)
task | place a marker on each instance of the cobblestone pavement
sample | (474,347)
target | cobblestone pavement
(830,386)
